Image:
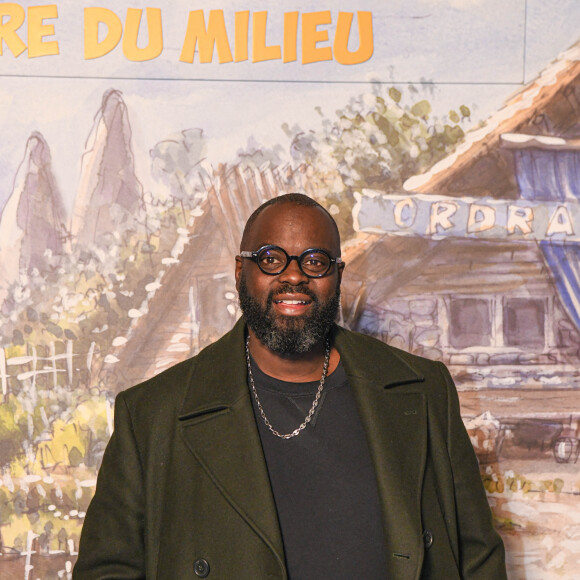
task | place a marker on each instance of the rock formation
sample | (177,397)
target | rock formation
(32,225)
(109,193)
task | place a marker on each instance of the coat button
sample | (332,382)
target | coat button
(427,539)
(201,568)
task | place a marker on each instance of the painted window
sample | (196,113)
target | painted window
(498,323)
(524,322)
(470,322)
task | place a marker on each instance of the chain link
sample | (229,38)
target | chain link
(314,404)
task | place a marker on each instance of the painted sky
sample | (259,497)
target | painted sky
(476,52)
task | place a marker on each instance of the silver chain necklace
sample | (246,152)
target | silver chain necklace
(314,404)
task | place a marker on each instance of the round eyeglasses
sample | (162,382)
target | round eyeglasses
(273,260)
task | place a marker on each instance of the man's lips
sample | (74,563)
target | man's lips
(292,299)
(291,303)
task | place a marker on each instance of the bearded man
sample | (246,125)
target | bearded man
(291,448)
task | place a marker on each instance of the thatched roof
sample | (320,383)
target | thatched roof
(481,166)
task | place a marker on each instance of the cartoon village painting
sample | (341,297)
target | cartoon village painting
(461,245)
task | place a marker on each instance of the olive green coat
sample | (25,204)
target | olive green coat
(184,477)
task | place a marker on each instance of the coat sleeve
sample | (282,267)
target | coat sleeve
(481,550)
(112,539)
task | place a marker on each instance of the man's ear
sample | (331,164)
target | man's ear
(339,269)
(238,272)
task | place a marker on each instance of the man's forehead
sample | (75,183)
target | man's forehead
(285,209)
(279,217)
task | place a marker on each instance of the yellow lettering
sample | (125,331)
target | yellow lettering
(520,218)
(365,36)
(15,14)
(93,18)
(37,30)
(241,35)
(215,34)
(260,51)
(290,36)
(154,33)
(560,222)
(441,212)
(481,218)
(311,37)
(405,212)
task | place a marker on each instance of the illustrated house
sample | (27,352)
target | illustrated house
(484,270)
(195,301)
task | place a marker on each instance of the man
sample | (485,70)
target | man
(291,448)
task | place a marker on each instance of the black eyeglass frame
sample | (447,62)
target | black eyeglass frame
(254,256)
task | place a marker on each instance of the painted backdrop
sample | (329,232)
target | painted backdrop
(444,137)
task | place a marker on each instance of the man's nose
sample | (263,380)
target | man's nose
(293,274)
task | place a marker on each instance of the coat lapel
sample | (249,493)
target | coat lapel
(218,426)
(395,420)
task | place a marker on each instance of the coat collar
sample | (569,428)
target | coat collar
(223,364)
(372,361)
(218,425)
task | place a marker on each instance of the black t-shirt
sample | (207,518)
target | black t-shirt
(323,480)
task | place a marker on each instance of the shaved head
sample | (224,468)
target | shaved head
(298,199)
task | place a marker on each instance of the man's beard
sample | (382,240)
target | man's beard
(288,334)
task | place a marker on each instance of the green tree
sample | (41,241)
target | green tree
(376,141)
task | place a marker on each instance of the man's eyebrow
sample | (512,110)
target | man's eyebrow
(330,252)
